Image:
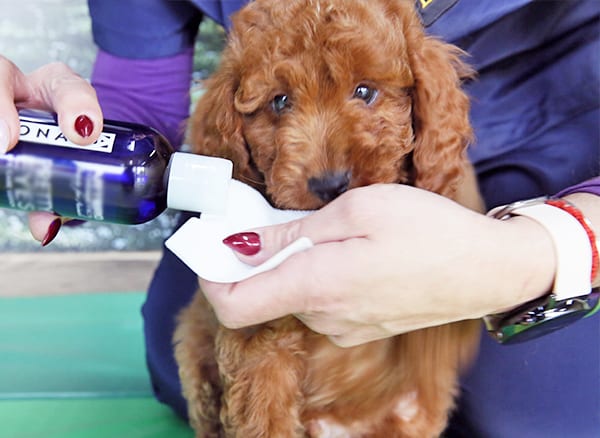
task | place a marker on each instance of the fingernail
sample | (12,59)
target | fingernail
(245,243)
(84,126)
(52,231)
(4,134)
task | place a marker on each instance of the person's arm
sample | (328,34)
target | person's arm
(379,268)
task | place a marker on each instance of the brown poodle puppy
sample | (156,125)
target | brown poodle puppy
(313,98)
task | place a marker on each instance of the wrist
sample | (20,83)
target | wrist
(501,265)
(571,296)
(525,254)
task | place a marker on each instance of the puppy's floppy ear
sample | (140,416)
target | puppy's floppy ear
(215,127)
(440,112)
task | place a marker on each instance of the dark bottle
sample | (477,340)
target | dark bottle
(128,176)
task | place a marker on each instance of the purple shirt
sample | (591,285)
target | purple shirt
(153,92)
(590,186)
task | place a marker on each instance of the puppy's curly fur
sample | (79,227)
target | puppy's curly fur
(312,98)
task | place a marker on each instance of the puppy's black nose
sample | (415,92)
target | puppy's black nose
(329,185)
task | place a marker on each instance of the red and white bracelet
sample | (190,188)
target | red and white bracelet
(587,226)
(572,296)
(574,241)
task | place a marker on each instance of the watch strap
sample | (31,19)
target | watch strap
(571,244)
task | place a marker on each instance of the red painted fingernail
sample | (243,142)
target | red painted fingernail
(84,126)
(52,231)
(245,243)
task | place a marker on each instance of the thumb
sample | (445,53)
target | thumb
(339,220)
(58,88)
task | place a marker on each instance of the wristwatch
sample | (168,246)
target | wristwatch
(572,296)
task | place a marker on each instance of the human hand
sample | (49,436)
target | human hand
(388,259)
(52,87)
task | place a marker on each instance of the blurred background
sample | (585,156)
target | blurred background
(33,33)
(72,361)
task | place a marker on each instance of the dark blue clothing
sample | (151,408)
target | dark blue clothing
(535,102)
(144,28)
(536,116)
(153,28)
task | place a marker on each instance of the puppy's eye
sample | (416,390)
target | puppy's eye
(280,103)
(366,93)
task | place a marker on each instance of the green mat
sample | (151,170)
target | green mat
(89,418)
(73,366)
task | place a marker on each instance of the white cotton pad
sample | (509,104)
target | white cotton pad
(199,242)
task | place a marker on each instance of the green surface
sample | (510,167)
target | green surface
(90,418)
(73,345)
(73,366)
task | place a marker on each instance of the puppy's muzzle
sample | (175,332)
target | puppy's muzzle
(329,185)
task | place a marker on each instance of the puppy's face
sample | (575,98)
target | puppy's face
(328,110)
(314,97)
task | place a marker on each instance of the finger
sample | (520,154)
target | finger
(13,85)
(350,340)
(345,218)
(259,299)
(345,330)
(255,300)
(264,298)
(358,336)
(44,226)
(56,87)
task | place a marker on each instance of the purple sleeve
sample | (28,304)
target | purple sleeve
(153,92)
(590,186)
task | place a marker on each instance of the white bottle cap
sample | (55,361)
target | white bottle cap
(198,183)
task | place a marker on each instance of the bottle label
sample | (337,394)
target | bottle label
(88,188)
(52,135)
(28,184)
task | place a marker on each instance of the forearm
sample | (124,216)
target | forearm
(523,261)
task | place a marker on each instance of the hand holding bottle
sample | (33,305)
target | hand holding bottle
(53,87)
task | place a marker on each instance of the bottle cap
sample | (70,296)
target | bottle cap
(198,183)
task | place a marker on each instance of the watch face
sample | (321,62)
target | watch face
(539,317)
(550,323)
